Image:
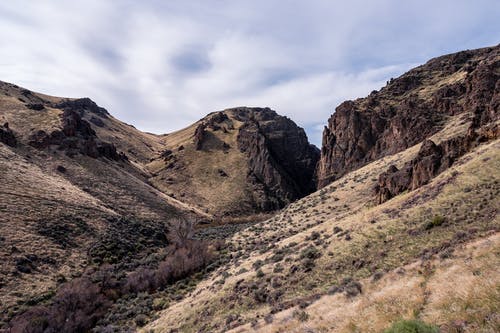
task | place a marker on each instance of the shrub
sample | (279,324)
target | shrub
(141,320)
(144,279)
(258,264)
(184,262)
(311,253)
(300,315)
(77,307)
(435,222)
(181,230)
(411,326)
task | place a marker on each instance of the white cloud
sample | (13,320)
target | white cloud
(161,65)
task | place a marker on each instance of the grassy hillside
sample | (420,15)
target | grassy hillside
(195,176)
(336,241)
(54,208)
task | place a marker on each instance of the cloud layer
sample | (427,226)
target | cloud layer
(161,65)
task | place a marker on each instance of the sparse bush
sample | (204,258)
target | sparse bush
(241,271)
(180,230)
(183,262)
(411,326)
(310,252)
(435,222)
(315,235)
(300,315)
(144,279)
(258,264)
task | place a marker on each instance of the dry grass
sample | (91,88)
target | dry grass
(194,175)
(447,292)
(382,238)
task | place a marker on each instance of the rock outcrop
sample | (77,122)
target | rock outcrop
(280,159)
(199,136)
(82,105)
(75,137)
(7,136)
(237,162)
(410,109)
(430,161)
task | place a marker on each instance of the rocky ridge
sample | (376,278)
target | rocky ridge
(410,109)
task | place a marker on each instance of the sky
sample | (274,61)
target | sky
(161,65)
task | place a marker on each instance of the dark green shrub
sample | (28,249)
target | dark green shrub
(141,320)
(411,326)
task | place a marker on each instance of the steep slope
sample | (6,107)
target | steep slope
(411,108)
(64,188)
(237,162)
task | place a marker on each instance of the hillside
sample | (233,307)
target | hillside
(395,218)
(338,242)
(63,192)
(236,162)
(409,215)
(81,188)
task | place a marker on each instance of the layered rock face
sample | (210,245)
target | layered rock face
(280,159)
(410,109)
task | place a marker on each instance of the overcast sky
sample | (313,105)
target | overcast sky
(160,65)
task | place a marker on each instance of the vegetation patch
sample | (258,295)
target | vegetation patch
(126,238)
(411,326)
(64,230)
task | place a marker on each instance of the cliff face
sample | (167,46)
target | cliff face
(280,159)
(410,109)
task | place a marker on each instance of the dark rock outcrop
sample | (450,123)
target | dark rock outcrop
(410,109)
(35,106)
(7,136)
(199,136)
(81,105)
(281,161)
(430,161)
(75,137)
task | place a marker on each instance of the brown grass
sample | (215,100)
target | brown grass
(383,238)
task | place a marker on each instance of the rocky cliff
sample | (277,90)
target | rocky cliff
(281,161)
(431,160)
(409,109)
(237,162)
